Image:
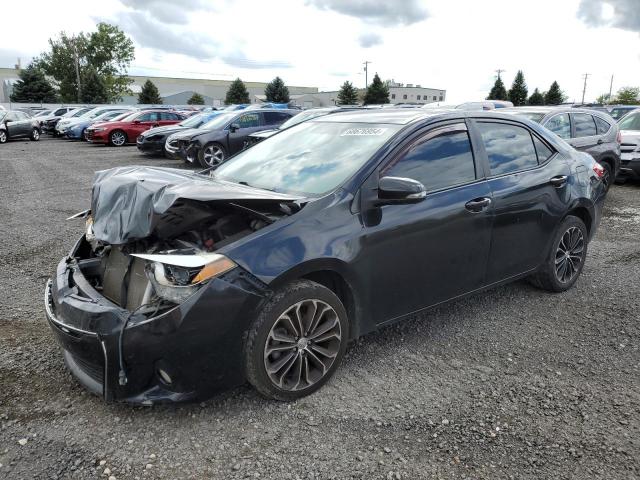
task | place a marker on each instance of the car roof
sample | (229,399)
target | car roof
(553,109)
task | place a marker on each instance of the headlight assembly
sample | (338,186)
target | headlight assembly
(175,277)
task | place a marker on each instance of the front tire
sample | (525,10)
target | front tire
(565,261)
(117,138)
(3,136)
(297,342)
(35,135)
(211,155)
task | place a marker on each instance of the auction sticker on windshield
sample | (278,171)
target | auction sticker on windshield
(363,131)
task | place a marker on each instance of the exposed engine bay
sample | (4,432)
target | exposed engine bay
(166,235)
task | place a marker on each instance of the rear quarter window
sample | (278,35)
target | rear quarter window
(509,147)
(602,126)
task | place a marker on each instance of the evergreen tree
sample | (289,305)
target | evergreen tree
(518,92)
(377,92)
(348,94)
(149,95)
(196,99)
(33,87)
(628,96)
(536,98)
(94,88)
(498,91)
(237,93)
(277,91)
(554,96)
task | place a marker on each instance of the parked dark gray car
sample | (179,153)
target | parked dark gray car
(586,130)
(224,136)
(17,124)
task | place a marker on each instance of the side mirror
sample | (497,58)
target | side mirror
(234,127)
(400,191)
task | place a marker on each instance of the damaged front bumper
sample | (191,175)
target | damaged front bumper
(186,353)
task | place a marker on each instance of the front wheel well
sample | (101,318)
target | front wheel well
(338,285)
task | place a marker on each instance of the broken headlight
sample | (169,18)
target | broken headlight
(175,277)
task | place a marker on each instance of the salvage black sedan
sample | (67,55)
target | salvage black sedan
(224,136)
(264,269)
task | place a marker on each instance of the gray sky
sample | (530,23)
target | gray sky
(450,44)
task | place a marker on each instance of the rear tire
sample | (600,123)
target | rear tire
(35,135)
(117,138)
(297,341)
(565,260)
(607,177)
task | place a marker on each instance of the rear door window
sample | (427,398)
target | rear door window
(275,118)
(509,147)
(584,125)
(560,125)
(602,125)
(441,158)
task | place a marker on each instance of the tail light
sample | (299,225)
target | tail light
(619,137)
(598,169)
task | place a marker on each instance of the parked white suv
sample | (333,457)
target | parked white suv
(630,146)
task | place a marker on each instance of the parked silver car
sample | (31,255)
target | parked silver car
(584,129)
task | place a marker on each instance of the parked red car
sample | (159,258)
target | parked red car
(126,130)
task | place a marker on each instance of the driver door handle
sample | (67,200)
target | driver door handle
(558,181)
(477,204)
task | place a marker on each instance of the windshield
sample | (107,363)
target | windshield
(630,122)
(2,113)
(110,114)
(533,116)
(302,117)
(311,158)
(219,121)
(197,120)
(79,112)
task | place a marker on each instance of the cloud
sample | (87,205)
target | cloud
(369,39)
(625,15)
(154,34)
(168,11)
(388,14)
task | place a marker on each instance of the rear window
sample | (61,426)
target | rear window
(602,125)
(630,122)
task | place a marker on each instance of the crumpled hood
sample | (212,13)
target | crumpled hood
(187,133)
(128,203)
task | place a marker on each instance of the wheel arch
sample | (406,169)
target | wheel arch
(334,275)
(584,213)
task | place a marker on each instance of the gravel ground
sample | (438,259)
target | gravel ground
(512,383)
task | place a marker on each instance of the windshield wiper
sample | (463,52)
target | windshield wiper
(253,186)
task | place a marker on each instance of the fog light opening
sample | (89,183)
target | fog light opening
(165,377)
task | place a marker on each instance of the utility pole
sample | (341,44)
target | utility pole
(584,89)
(366,73)
(610,88)
(499,71)
(77,63)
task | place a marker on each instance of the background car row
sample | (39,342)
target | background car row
(208,137)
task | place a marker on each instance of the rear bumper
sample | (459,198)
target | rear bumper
(629,165)
(121,356)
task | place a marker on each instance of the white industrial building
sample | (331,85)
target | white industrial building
(177,91)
